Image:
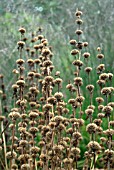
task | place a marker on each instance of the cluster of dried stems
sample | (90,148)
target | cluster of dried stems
(40,132)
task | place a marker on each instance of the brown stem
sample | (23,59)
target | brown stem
(5,128)
(108,165)
(34,164)
(13,134)
(52,166)
(52,141)
(106,99)
(91,95)
(76,162)
(10,163)
(45,167)
(4,140)
(2,164)
(78,88)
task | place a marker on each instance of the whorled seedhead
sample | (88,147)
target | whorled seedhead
(94,146)
(74,52)
(106,91)
(22,30)
(100,56)
(99,100)
(89,111)
(86,55)
(107,110)
(91,128)
(103,76)
(80,99)
(78,81)
(101,67)
(90,87)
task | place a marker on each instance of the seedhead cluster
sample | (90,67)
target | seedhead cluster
(43,131)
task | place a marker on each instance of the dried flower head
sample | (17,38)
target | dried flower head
(94,146)
(86,55)
(20,82)
(78,63)
(67,161)
(101,67)
(100,56)
(73,42)
(78,81)
(74,52)
(78,32)
(103,76)
(11,155)
(47,63)
(25,167)
(47,106)
(101,115)
(49,79)
(99,100)
(91,107)
(2,118)
(110,76)
(20,61)
(111,123)
(89,111)
(90,88)
(97,122)
(80,99)
(58,80)
(14,166)
(107,110)
(109,132)
(100,82)
(85,44)
(69,86)
(79,21)
(21,44)
(75,150)
(91,128)
(33,115)
(77,136)
(88,69)
(105,91)
(14,115)
(33,130)
(78,13)
(58,95)
(22,30)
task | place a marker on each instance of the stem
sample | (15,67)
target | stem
(4,141)
(94,156)
(88,77)
(108,166)
(45,166)
(91,95)
(108,122)
(5,128)
(58,88)
(76,162)
(78,90)
(52,166)
(13,133)
(2,164)
(10,163)
(52,141)
(106,99)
